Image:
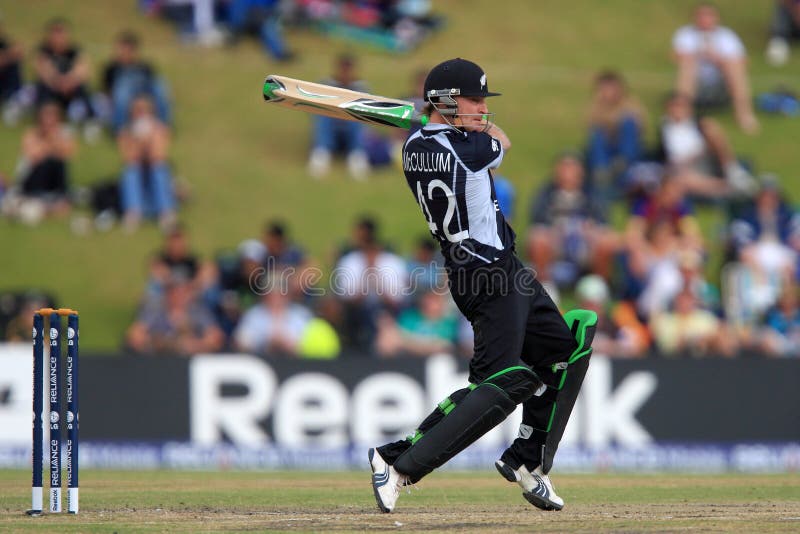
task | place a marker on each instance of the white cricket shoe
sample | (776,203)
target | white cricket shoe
(538,490)
(386,482)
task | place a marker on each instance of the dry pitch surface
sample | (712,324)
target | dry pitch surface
(445,502)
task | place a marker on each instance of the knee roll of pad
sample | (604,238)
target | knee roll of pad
(519,383)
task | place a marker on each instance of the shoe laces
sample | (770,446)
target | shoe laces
(408,485)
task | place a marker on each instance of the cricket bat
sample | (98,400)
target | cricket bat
(340,103)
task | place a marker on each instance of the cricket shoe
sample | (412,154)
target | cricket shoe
(538,490)
(386,482)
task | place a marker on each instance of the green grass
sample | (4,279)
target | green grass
(245,161)
(179,501)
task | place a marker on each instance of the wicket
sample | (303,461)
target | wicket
(71,417)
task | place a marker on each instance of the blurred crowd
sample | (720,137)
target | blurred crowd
(614,227)
(133,105)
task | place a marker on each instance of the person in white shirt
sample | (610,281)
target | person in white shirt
(275,325)
(712,65)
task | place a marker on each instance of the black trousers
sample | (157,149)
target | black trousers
(48,177)
(515,321)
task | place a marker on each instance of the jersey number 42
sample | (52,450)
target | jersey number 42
(440,229)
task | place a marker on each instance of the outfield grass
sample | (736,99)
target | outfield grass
(245,162)
(445,502)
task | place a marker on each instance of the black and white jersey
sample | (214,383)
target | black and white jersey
(449,173)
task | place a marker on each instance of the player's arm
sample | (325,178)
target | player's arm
(495,131)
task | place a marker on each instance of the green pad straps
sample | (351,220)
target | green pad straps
(579,322)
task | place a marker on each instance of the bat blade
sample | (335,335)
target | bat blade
(339,103)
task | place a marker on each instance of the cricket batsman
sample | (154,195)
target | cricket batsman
(525,351)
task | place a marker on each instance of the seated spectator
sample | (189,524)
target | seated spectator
(62,75)
(766,236)
(146,188)
(688,330)
(668,204)
(568,231)
(698,152)
(616,130)
(194,18)
(332,136)
(619,332)
(426,267)
(671,273)
(19,326)
(273,326)
(238,280)
(126,76)
(781,333)
(262,18)
(712,66)
(43,183)
(429,327)
(177,322)
(370,281)
(177,260)
(784,28)
(765,243)
(286,258)
(660,225)
(10,67)
(280,250)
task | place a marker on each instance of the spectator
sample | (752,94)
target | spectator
(147,188)
(781,334)
(568,231)
(616,126)
(336,135)
(19,327)
(43,187)
(665,204)
(619,332)
(237,281)
(195,18)
(370,281)
(766,245)
(261,17)
(426,267)
(766,236)
(699,153)
(286,258)
(274,325)
(126,76)
(10,67)
(660,225)
(176,260)
(690,330)
(280,250)
(177,322)
(712,65)
(62,74)
(425,329)
(784,27)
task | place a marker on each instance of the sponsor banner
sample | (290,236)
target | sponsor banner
(242,410)
(681,458)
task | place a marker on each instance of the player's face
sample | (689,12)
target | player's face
(472,111)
